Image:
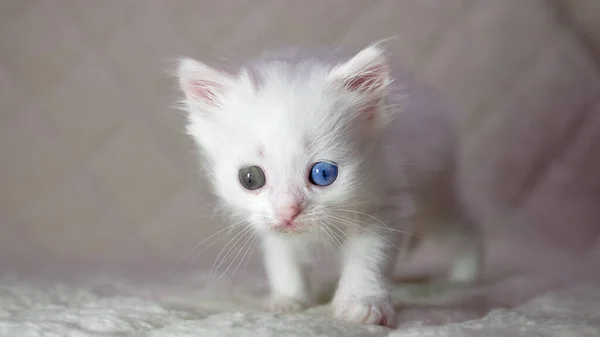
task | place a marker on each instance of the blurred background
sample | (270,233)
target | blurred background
(95,169)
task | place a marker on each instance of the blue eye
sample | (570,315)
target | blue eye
(323,173)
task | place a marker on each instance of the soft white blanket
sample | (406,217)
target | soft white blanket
(105,307)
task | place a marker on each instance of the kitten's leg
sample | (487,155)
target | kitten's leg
(468,261)
(362,295)
(288,281)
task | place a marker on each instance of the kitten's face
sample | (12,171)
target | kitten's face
(287,154)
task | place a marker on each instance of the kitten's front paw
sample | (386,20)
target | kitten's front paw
(285,304)
(376,311)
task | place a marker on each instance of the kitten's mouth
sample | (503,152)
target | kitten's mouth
(288,227)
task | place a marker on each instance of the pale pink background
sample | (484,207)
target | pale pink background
(95,169)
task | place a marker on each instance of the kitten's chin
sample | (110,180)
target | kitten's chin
(287,230)
(291,231)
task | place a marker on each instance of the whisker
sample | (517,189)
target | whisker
(248,238)
(361,213)
(347,223)
(368,224)
(230,244)
(229,229)
(386,227)
(206,239)
(254,242)
(233,242)
(320,229)
(330,240)
(333,237)
(318,245)
(358,202)
(343,221)
(341,232)
(251,242)
(333,229)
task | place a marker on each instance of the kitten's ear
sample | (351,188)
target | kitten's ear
(202,84)
(366,73)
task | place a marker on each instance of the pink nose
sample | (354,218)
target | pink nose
(288,213)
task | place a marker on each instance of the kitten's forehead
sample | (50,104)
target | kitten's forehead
(286,105)
(287,117)
(283,138)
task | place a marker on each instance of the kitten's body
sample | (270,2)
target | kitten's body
(393,145)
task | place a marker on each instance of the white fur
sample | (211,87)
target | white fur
(285,116)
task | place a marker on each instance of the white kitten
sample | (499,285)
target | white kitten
(311,148)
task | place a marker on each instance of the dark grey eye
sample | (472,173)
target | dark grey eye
(252,177)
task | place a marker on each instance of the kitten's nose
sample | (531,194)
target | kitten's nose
(288,213)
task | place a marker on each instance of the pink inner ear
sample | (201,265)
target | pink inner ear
(205,90)
(371,79)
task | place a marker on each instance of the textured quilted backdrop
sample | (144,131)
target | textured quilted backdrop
(94,166)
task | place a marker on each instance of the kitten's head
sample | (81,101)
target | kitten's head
(288,145)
